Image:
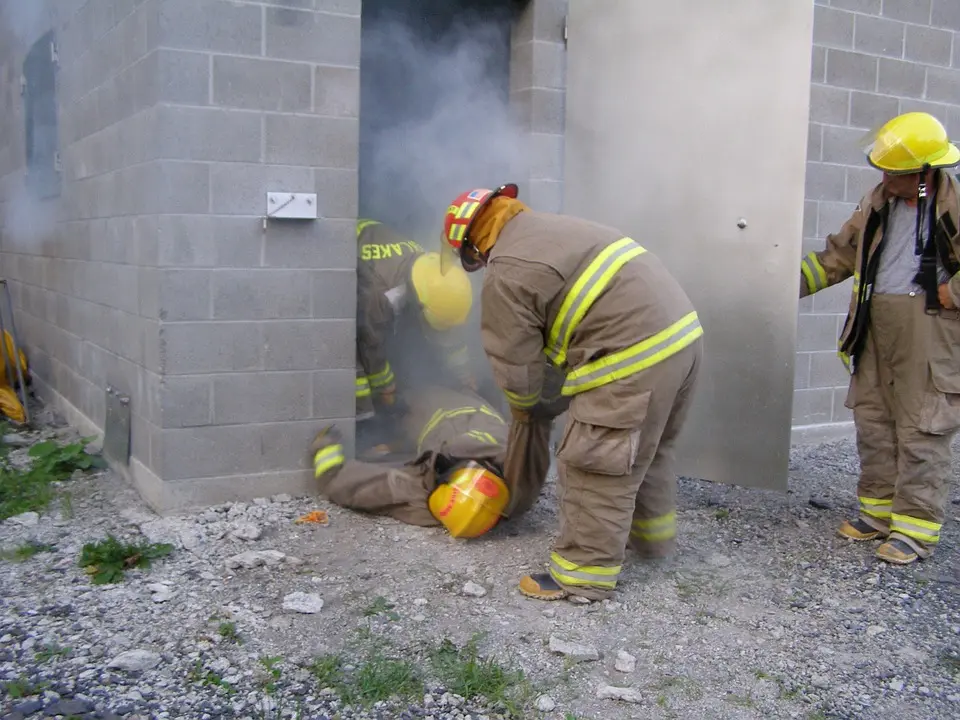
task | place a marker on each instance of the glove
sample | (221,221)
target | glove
(327,436)
(519,414)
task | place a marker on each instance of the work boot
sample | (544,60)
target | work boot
(541,586)
(898,552)
(859,530)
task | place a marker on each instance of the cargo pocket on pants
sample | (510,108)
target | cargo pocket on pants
(940,414)
(598,449)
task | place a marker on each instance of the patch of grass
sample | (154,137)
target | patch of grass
(722,514)
(27,550)
(30,489)
(49,652)
(228,631)
(465,673)
(270,665)
(380,606)
(199,674)
(761,675)
(22,687)
(689,688)
(816,715)
(106,561)
(327,670)
(744,701)
(379,678)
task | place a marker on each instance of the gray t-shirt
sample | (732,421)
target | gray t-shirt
(899,262)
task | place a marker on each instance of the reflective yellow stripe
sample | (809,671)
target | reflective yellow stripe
(364,224)
(655,529)
(383,378)
(635,358)
(363,387)
(441,415)
(483,437)
(467,209)
(569,573)
(845,359)
(814,273)
(457,232)
(923,530)
(522,401)
(587,288)
(327,458)
(873,507)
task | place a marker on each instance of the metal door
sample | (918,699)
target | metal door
(686,120)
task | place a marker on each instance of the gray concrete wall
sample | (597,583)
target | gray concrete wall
(872,59)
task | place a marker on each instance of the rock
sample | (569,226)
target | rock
(27,519)
(820,504)
(161,592)
(578,600)
(545,703)
(261,501)
(67,708)
(549,613)
(281,498)
(301,602)
(246,531)
(255,558)
(29,707)
(160,531)
(135,661)
(291,560)
(875,630)
(14,440)
(574,651)
(473,590)
(718,560)
(191,538)
(821,681)
(626,663)
(609,692)
(419,602)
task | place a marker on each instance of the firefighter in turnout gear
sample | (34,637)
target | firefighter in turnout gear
(455,445)
(408,314)
(901,338)
(609,316)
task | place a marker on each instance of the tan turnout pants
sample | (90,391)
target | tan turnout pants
(616,480)
(904,425)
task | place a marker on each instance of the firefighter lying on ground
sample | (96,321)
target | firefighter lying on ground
(901,338)
(456,448)
(408,317)
(610,316)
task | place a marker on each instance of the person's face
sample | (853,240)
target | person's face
(903,186)
(471,259)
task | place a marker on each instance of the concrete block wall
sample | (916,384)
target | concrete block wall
(872,59)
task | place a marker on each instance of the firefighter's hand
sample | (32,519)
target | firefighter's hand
(519,414)
(326,437)
(388,396)
(944,292)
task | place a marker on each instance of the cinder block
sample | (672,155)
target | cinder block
(334,294)
(546,111)
(825,182)
(928,45)
(148,401)
(859,182)
(818,65)
(827,370)
(263,294)
(211,25)
(810,210)
(835,300)
(946,14)
(298,4)
(286,446)
(549,65)
(185,401)
(210,451)
(832,27)
(829,105)
(812,407)
(851,70)
(817,333)
(238,189)
(868,110)
(901,78)
(879,36)
(237,242)
(258,84)
(336,91)
(815,142)
(187,133)
(184,241)
(312,141)
(344,7)
(541,20)
(840,412)
(521,66)
(173,187)
(322,38)
(546,156)
(911,11)
(832,216)
(310,345)
(870,7)
(956,50)
(943,85)
(801,371)
(329,244)
(240,398)
(842,145)
(337,192)
(207,347)
(184,294)
(333,393)
(938,110)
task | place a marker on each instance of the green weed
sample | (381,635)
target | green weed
(106,561)
(327,670)
(49,652)
(27,550)
(199,674)
(380,606)
(228,631)
(22,687)
(722,514)
(379,678)
(274,673)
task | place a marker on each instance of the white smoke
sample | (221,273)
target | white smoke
(25,19)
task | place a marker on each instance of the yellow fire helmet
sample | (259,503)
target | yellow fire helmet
(471,502)
(909,143)
(445,300)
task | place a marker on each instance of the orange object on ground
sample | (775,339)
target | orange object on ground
(317,517)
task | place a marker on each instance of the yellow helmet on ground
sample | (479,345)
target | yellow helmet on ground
(910,143)
(471,501)
(444,299)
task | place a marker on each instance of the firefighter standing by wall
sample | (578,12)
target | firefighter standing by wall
(901,339)
(609,313)
(407,313)
(457,444)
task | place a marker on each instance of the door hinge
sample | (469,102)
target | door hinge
(57,164)
(23,84)
(565,26)
(54,54)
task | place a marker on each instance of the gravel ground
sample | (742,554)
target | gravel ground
(763,613)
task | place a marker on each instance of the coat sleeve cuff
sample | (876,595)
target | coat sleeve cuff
(953,287)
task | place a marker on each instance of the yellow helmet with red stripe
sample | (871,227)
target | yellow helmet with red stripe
(471,500)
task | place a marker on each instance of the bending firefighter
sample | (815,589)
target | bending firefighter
(455,477)
(406,312)
(611,318)
(901,338)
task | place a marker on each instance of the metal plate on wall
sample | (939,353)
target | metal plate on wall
(686,128)
(116,430)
